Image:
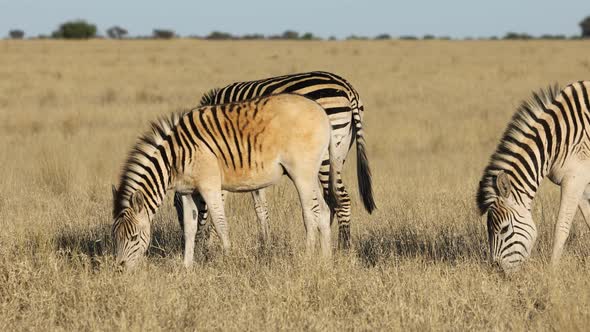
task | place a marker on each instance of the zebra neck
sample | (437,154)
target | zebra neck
(525,199)
(153,193)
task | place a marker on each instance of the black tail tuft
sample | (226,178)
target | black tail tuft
(364,176)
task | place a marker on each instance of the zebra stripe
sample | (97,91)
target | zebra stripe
(547,137)
(345,110)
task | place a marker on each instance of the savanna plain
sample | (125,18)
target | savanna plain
(70,112)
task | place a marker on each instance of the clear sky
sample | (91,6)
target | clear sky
(340,18)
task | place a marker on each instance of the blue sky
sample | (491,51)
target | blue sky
(340,18)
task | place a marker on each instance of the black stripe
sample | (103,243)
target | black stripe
(230,125)
(586,100)
(336,110)
(580,117)
(181,143)
(156,181)
(249,147)
(253,91)
(241,93)
(149,199)
(204,125)
(339,126)
(304,84)
(326,92)
(222,134)
(558,136)
(533,172)
(196,131)
(571,115)
(184,140)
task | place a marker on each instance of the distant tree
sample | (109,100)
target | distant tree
(515,35)
(444,38)
(163,34)
(78,29)
(383,36)
(290,34)
(16,34)
(511,35)
(332,38)
(408,38)
(253,36)
(308,36)
(585,25)
(552,37)
(218,35)
(428,37)
(116,32)
(355,37)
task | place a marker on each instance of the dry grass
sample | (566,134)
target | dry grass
(69,111)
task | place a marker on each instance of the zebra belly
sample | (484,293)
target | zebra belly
(251,179)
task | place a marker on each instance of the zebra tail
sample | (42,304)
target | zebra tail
(363,171)
(332,198)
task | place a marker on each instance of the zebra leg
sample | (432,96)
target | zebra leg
(203,212)
(186,211)
(179,206)
(190,229)
(343,215)
(310,197)
(214,200)
(571,192)
(342,212)
(261,207)
(324,225)
(585,206)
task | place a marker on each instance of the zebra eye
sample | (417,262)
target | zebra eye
(134,237)
(504,230)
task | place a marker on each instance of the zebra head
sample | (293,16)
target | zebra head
(131,231)
(511,231)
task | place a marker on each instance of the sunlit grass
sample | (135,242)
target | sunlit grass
(69,112)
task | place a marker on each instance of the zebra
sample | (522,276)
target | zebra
(549,136)
(345,110)
(236,147)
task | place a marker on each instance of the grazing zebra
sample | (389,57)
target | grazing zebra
(549,136)
(235,147)
(345,110)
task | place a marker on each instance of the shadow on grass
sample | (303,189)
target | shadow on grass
(393,242)
(405,242)
(95,244)
(85,246)
(278,248)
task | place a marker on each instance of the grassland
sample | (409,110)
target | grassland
(69,112)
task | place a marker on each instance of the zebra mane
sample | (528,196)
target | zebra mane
(147,145)
(209,97)
(527,112)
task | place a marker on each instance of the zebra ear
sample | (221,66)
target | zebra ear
(503,184)
(137,202)
(114,190)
